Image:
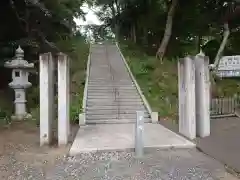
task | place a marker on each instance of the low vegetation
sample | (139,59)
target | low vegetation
(159,85)
(77,49)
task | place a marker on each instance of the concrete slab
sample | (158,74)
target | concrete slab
(108,137)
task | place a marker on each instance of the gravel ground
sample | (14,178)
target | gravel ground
(21,158)
(156,165)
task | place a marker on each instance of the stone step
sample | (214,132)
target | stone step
(114,104)
(115,86)
(114,111)
(107,72)
(114,83)
(123,81)
(116,121)
(107,91)
(120,91)
(112,96)
(111,86)
(109,108)
(114,116)
(116,89)
(106,81)
(100,78)
(113,100)
(112,92)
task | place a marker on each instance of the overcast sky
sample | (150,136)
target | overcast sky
(91,18)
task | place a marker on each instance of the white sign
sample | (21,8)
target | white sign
(229,63)
(228,73)
(229,66)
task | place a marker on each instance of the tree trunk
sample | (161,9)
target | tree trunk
(222,46)
(145,36)
(134,38)
(198,43)
(115,24)
(168,31)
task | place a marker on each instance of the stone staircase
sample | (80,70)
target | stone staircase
(111,95)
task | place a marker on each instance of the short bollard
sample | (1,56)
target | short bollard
(139,144)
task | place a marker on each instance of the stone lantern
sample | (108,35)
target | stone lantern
(20,71)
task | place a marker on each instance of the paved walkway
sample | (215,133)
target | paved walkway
(112,102)
(105,137)
(223,143)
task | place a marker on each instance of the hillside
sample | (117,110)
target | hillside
(160,84)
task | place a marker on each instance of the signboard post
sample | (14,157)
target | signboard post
(139,144)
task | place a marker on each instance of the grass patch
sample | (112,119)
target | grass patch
(78,72)
(158,85)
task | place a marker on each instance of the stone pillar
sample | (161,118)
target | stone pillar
(202,96)
(46,98)
(186,88)
(63,99)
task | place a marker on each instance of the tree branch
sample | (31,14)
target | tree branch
(222,46)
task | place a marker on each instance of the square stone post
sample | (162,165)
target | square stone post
(202,96)
(63,99)
(186,88)
(46,98)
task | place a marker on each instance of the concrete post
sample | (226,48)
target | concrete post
(46,98)
(139,144)
(63,99)
(186,88)
(154,117)
(202,96)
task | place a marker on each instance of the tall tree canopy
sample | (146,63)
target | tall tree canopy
(175,27)
(37,23)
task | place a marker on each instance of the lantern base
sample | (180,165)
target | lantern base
(21,117)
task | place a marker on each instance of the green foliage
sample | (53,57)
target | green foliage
(42,26)
(159,86)
(159,83)
(33,96)
(78,50)
(143,23)
(35,113)
(5,117)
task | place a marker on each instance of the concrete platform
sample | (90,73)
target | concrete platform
(109,137)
